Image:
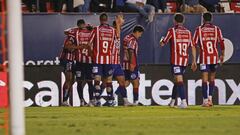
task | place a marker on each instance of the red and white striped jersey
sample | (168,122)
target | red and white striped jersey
(208,35)
(65,53)
(181,40)
(130,42)
(82,38)
(103,37)
(116,52)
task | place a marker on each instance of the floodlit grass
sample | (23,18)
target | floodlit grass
(157,120)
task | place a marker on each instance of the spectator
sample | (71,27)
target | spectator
(100,5)
(118,5)
(192,6)
(58,5)
(160,5)
(209,4)
(29,4)
(32,5)
(81,5)
(146,10)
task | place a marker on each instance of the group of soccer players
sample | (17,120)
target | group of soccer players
(206,37)
(92,55)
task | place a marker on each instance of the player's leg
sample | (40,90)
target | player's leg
(204,69)
(119,76)
(103,84)
(174,94)
(80,75)
(135,84)
(108,72)
(122,90)
(80,85)
(89,80)
(205,89)
(69,80)
(127,78)
(135,80)
(98,72)
(181,90)
(211,86)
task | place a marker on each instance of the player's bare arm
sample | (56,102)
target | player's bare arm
(194,63)
(131,55)
(222,56)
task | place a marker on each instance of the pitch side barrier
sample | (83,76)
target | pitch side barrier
(43,35)
(43,86)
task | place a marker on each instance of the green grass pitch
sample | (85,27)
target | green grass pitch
(144,120)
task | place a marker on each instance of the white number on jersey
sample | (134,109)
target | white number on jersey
(85,51)
(209,47)
(105,46)
(183,48)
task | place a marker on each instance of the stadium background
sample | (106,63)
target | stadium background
(43,39)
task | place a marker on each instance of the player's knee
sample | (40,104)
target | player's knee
(121,82)
(136,83)
(97,85)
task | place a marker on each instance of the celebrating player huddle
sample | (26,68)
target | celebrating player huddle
(92,56)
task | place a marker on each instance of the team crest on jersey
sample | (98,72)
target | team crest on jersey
(95,70)
(110,72)
(133,76)
(177,70)
(78,74)
(203,66)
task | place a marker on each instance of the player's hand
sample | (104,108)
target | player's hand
(131,67)
(221,60)
(194,66)
(161,44)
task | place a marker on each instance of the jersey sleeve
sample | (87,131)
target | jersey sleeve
(195,37)
(220,38)
(168,36)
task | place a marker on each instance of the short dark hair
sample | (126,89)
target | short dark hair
(138,28)
(179,18)
(80,21)
(103,17)
(207,17)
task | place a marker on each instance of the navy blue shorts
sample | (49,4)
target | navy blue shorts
(208,67)
(117,70)
(129,75)
(83,71)
(68,65)
(103,70)
(178,70)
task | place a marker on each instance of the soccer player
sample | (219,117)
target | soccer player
(83,68)
(118,72)
(66,60)
(130,64)
(103,37)
(208,36)
(181,41)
